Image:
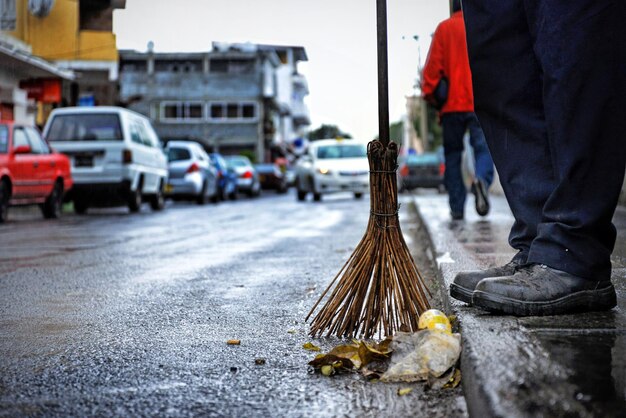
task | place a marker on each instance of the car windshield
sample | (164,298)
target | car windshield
(178,154)
(85,127)
(238,162)
(341,151)
(4,139)
(422,159)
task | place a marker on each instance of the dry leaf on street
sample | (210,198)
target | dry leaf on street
(311,347)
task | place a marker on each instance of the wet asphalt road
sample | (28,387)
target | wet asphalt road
(112,314)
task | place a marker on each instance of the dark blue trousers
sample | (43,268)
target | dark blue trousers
(549,90)
(455,125)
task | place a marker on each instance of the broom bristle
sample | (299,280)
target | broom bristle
(379,288)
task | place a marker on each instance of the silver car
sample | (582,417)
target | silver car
(247,177)
(192,175)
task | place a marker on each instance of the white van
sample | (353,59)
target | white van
(115,154)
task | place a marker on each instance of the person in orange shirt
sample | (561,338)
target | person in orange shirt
(448,58)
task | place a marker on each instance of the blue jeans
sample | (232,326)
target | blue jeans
(455,125)
(550,91)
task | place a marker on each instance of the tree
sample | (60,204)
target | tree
(327,131)
(395,132)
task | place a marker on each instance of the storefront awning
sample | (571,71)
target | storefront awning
(29,66)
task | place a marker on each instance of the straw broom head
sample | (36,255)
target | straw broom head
(379,289)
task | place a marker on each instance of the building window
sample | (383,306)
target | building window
(177,66)
(248,111)
(217,111)
(232,66)
(134,66)
(181,111)
(232,111)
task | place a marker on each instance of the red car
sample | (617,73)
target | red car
(30,171)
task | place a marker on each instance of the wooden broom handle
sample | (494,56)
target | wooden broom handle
(383,93)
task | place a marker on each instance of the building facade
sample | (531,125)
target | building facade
(76,35)
(28,83)
(228,98)
(292,88)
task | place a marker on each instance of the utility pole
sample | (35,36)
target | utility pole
(422,102)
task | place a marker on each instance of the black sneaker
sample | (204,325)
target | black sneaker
(465,282)
(481,194)
(456,216)
(540,290)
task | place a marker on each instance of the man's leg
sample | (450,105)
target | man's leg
(581,47)
(508,101)
(453,131)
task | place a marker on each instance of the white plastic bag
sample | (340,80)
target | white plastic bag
(420,355)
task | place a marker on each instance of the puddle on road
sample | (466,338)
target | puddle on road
(597,360)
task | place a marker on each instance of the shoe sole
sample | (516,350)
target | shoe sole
(461,293)
(482,201)
(583,301)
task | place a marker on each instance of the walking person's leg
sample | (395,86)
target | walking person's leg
(581,48)
(483,165)
(453,131)
(508,102)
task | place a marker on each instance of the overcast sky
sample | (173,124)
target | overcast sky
(339,37)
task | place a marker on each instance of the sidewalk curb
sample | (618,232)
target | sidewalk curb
(506,372)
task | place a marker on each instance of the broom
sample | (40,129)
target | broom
(379,289)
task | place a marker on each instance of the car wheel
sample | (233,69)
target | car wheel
(301,195)
(80,206)
(256,191)
(134,197)
(52,206)
(157,200)
(201,198)
(317,197)
(358,195)
(5,194)
(441,189)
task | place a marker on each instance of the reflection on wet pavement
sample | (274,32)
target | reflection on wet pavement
(597,360)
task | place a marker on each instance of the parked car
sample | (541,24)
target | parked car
(271,177)
(247,178)
(191,173)
(30,171)
(116,156)
(290,176)
(421,170)
(227,178)
(333,165)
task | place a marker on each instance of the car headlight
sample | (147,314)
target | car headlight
(323,170)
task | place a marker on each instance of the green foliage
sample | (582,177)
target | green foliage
(327,131)
(395,132)
(435,132)
(250,154)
